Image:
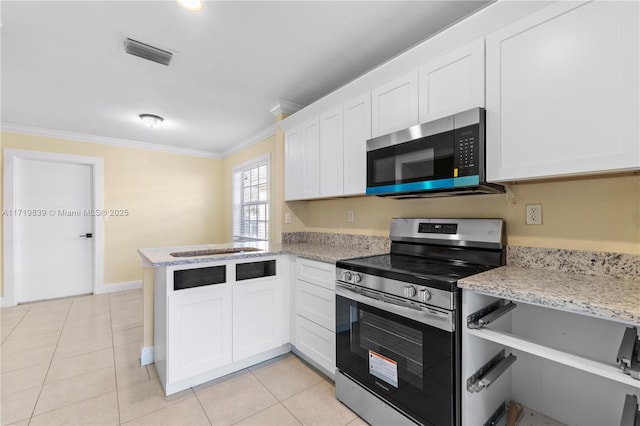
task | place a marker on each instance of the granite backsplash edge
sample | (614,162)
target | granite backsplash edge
(618,265)
(352,240)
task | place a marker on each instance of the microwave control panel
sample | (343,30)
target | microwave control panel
(466,152)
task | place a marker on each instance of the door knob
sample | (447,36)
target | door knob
(87,235)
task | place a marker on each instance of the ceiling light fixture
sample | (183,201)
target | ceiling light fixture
(151,120)
(191,5)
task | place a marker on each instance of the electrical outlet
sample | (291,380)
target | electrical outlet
(287,218)
(534,214)
(351,216)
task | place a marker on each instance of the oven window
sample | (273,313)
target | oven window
(390,341)
(409,364)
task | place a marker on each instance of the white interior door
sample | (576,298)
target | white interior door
(54,257)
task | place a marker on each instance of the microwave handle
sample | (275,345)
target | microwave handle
(442,320)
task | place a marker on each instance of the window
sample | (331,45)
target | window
(251,200)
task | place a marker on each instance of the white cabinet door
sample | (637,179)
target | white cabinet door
(302,162)
(259,317)
(357,130)
(293,158)
(331,153)
(562,92)
(199,326)
(311,163)
(394,105)
(452,83)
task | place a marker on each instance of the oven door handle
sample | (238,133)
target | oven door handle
(424,315)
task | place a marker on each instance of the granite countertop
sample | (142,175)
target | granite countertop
(600,296)
(161,256)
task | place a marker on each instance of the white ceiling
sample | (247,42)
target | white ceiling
(63,66)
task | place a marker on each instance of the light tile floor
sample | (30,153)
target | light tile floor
(77,361)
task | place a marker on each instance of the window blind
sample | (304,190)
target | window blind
(251,194)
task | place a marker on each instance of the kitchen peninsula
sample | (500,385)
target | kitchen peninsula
(219,308)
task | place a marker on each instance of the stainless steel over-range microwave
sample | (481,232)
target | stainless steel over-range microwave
(438,158)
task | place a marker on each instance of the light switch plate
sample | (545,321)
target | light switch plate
(287,218)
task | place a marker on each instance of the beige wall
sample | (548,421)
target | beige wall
(599,214)
(173,199)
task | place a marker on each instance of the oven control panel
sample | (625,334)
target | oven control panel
(430,296)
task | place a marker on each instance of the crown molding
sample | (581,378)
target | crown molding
(259,136)
(103,140)
(285,107)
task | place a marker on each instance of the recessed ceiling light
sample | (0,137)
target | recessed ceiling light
(151,120)
(192,5)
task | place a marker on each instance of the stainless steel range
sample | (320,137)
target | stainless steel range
(398,319)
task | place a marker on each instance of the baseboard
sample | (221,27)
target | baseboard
(123,286)
(146,356)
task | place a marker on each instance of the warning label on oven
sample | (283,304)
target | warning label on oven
(383,368)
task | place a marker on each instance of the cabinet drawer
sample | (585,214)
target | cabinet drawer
(316,342)
(316,303)
(318,273)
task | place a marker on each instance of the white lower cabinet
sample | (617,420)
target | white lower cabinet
(193,351)
(315,336)
(259,317)
(559,364)
(214,318)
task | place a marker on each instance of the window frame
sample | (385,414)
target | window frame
(237,202)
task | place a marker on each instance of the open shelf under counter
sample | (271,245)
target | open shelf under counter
(609,371)
(556,361)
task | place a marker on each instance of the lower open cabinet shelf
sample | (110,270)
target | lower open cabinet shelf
(561,367)
(527,417)
(608,371)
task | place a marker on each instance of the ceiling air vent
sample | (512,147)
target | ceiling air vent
(144,51)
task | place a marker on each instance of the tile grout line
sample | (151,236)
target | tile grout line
(113,350)
(17,324)
(201,406)
(279,402)
(53,354)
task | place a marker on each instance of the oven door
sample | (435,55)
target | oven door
(408,356)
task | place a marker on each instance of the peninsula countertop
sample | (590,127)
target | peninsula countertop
(600,296)
(161,256)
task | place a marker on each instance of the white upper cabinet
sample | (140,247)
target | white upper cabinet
(394,105)
(562,92)
(302,162)
(293,156)
(452,83)
(331,153)
(357,129)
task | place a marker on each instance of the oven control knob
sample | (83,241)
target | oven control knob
(357,278)
(425,295)
(409,291)
(346,276)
